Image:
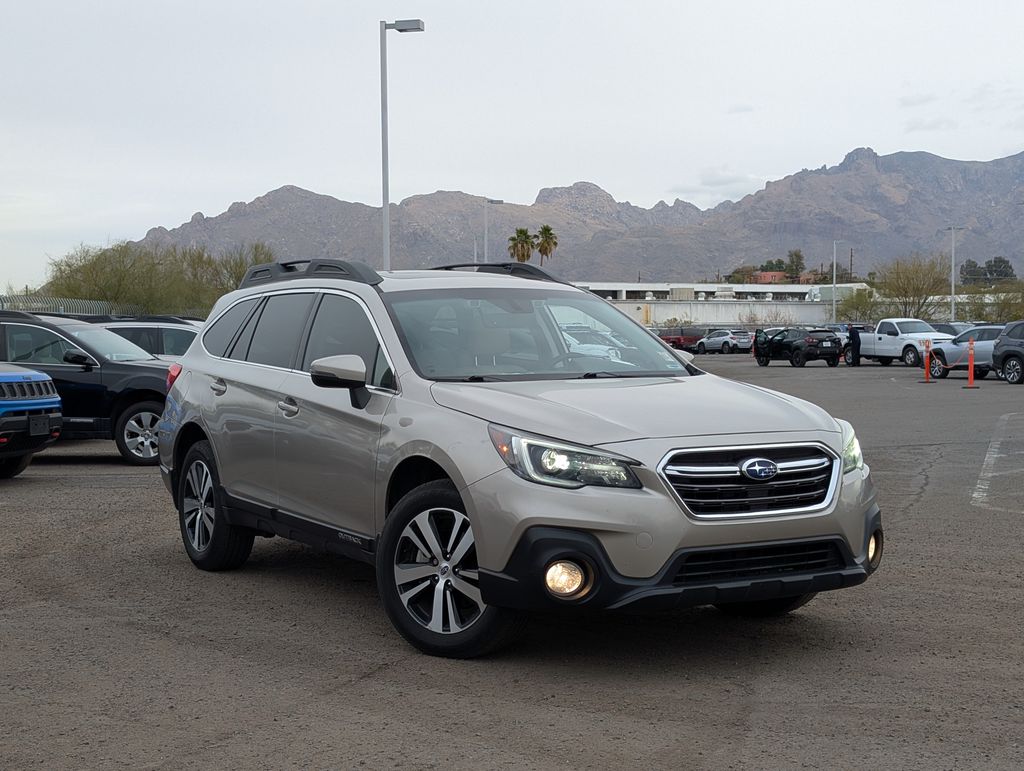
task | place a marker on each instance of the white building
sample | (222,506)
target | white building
(652,303)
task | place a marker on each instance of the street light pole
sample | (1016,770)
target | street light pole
(952,271)
(403,25)
(487,204)
(834,244)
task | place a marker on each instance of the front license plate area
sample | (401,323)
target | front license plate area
(38,425)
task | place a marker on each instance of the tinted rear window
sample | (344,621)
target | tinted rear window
(218,337)
(279,329)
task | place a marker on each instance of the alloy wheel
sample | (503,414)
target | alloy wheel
(198,506)
(140,435)
(436,572)
(1012,370)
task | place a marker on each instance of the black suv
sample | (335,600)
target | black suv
(1008,353)
(109,387)
(797,346)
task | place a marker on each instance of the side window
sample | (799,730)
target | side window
(34,344)
(885,328)
(794,334)
(341,327)
(144,337)
(219,336)
(276,337)
(176,341)
(1017,333)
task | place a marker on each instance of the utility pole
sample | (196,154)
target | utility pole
(851,263)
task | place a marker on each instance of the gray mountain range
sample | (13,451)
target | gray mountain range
(880,206)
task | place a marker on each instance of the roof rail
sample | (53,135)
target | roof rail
(521,269)
(282,271)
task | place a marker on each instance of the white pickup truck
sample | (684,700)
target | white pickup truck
(901,339)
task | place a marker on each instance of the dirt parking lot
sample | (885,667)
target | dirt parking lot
(117,652)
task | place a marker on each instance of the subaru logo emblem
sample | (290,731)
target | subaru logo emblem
(759,469)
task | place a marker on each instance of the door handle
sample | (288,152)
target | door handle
(288,407)
(218,386)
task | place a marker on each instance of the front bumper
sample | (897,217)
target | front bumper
(692,576)
(17,431)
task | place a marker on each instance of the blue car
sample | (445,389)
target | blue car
(30,417)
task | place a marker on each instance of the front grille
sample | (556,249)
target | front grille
(27,389)
(721,565)
(709,482)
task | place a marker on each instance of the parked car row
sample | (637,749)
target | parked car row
(108,387)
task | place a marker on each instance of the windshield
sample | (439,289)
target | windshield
(910,327)
(110,346)
(522,334)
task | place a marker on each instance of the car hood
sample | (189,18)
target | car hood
(601,411)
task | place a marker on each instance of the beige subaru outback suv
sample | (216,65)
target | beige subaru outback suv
(439,425)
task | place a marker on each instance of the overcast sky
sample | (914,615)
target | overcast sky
(119,116)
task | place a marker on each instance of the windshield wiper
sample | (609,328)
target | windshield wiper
(606,373)
(472,379)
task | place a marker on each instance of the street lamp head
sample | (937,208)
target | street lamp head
(407,25)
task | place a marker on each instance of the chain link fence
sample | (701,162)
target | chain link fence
(34,303)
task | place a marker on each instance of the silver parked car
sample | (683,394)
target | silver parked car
(726,341)
(437,425)
(953,354)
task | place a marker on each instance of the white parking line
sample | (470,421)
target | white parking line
(980,496)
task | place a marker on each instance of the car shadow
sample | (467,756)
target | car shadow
(700,636)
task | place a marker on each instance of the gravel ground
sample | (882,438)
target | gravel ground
(116,652)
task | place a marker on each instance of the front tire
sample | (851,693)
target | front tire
(428,577)
(937,368)
(11,467)
(885,361)
(980,373)
(763,361)
(135,433)
(911,357)
(211,543)
(766,608)
(701,349)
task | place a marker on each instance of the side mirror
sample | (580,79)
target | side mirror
(892,333)
(686,356)
(347,371)
(80,358)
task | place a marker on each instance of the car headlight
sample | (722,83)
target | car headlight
(853,458)
(562,465)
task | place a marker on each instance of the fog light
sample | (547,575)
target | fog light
(565,578)
(875,549)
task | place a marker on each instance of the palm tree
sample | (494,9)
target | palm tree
(547,242)
(522,245)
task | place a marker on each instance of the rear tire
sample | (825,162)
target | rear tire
(1013,370)
(726,348)
(210,541)
(766,608)
(980,373)
(798,359)
(135,433)
(11,467)
(833,362)
(438,607)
